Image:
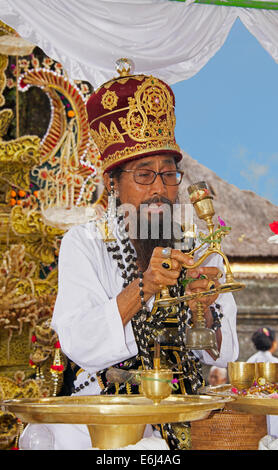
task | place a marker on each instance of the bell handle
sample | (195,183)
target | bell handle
(229,285)
(210,251)
(223,288)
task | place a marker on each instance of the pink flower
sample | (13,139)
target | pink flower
(221,222)
(174,381)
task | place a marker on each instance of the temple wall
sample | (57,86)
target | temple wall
(257,307)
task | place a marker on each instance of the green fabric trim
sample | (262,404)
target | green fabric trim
(237,3)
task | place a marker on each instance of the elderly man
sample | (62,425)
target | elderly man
(217,376)
(104,313)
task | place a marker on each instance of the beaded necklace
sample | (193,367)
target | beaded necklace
(145,326)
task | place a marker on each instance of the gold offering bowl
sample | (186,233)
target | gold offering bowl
(241,374)
(114,421)
(156,384)
(250,404)
(268,371)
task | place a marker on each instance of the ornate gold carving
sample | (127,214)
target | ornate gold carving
(52,83)
(151,113)
(6,29)
(24,301)
(66,187)
(18,290)
(106,137)
(17,158)
(19,388)
(40,240)
(3,66)
(139,148)
(43,353)
(29,246)
(15,348)
(8,428)
(45,341)
(109,100)
(6,116)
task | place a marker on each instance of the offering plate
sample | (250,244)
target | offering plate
(256,405)
(114,421)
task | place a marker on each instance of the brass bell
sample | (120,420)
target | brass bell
(201,338)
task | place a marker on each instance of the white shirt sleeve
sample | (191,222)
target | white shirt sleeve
(86,316)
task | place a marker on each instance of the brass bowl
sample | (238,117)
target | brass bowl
(267,370)
(241,374)
(156,384)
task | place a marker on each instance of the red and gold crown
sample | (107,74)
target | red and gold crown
(132,116)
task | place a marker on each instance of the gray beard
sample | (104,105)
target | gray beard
(144,249)
(151,233)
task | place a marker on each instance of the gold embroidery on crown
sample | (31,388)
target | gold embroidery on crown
(106,137)
(109,100)
(149,146)
(151,113)
(122,81)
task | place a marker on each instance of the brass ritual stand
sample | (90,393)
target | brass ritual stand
(199,337)
(116,421)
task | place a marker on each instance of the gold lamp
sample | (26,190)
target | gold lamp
(156,383)
(200,337)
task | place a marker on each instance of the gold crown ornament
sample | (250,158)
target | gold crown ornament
(132,116)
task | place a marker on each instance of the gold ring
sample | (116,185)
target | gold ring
(219,275)
(167,263)
(211,285)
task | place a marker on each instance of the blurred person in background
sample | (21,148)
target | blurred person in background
(265,342)
(217,376)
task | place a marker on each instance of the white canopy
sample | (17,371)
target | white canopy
(172,40)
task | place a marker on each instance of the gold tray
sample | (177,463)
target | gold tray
(251,404)
(110,409)
(114,422)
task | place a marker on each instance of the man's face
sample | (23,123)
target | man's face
(152,225)
(215,378)
(136,194)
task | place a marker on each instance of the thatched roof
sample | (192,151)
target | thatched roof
(248,214)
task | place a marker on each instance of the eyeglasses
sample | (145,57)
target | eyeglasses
(146,176)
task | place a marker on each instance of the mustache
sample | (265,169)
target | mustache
(157,200)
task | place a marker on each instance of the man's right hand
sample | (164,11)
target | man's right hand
(156,276)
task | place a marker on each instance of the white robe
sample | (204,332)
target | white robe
(88,323)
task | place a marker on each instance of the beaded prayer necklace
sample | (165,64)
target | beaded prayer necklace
(142,328)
